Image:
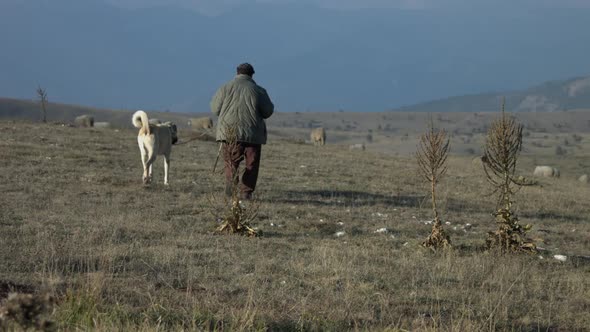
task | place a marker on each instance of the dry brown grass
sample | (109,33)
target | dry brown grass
(75,221)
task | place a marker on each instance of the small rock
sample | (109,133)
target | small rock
(339,234)
(561,258)
(382,230)
(447,222)
(272,224)
(340,223)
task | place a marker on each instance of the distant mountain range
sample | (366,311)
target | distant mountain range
(551,96)
(309,58)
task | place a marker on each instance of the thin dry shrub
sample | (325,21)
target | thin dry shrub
(501,152)
(234,215)
(431,156)
(42,94)
(27,311)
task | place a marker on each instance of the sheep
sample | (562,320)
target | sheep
(546,171)
(318,136)
(102,125)
(358,146)
(84,121)
(200,123)
(477,161)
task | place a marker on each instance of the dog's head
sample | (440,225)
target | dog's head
(173,131)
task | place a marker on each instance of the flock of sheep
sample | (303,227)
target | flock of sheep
(552,172)
(88,121)
(317,137)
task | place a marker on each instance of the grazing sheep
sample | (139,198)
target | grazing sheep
(546,171)
(84,121)
(201,123)
(318,136)
(477,161)
(102,125)
(154,121)
(583,178)
(358,146)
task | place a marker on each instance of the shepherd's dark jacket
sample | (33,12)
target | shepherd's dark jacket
(243,105)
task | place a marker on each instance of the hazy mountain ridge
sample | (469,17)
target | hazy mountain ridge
(307,57)
(550,96)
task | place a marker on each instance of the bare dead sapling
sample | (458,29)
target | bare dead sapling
(228,208)
(502,149)
(42,94)
(431,156)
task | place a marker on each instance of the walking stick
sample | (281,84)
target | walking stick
(217,159)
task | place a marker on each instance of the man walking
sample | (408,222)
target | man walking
(242,106)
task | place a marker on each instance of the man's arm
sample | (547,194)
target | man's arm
(265,106)
(217,101)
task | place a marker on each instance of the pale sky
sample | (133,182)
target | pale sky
(219,6)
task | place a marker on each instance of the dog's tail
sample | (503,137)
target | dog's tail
(140,120)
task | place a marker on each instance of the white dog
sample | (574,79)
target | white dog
(154,139)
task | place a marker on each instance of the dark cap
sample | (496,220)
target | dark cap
(246,69)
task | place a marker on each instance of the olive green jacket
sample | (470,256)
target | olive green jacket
(243,105)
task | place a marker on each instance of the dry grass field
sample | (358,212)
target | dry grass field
(77,223)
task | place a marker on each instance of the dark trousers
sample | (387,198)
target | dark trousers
(251,154)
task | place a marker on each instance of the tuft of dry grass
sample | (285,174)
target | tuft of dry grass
(26,311)
(117,256)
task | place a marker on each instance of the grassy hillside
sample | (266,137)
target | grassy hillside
(77,223)
(18,109)
(383,132)
(344,123)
